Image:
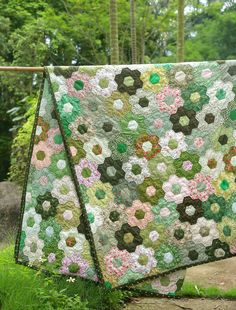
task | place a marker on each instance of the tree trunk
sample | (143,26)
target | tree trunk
(114,45)
(142,44)
(180,31)
(133,31)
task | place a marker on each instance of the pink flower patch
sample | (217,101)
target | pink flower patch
(233,248)
(201,187)
(164,212)
(51,257)
(187,165)
(150,191)
(158,123)
(87,172)
(73,151)
(176,189)
(169,100)
(43,180)
(78,85)
(139,214)
(117,262)
(74,265)
(206,73)
(199,142)
(55,140)
(41,157)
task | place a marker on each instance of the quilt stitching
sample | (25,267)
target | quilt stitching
(132,172)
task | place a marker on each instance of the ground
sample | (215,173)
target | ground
(220,274)
(183,303)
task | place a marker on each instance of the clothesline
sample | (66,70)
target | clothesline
(22,69)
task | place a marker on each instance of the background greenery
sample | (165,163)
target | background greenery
(64,32)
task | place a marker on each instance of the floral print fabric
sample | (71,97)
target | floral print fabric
(132,173)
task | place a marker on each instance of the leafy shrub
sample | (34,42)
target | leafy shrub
(20,145)
(51,298)
(5,149)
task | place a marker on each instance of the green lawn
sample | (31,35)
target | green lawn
(193,290)
(22,288)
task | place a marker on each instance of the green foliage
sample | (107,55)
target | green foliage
(23,288)
(5,149)
(20,145)
(44,32)
(214,36)
(51,298)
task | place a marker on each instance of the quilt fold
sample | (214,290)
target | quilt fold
(131,175)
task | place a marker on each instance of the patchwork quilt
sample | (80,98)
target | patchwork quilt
(131,175)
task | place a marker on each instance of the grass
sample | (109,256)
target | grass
(22,288)
(192,290)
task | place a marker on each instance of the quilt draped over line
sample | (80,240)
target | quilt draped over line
(131,176)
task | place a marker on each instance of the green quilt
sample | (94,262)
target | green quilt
(131,176)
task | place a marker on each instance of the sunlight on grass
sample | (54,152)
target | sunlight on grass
(16,284)
(193,290)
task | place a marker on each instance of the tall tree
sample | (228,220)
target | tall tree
(180,31)
(133,31)
(114,43)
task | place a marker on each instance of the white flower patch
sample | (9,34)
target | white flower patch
(43,105)
(176,189)
(33,248)
(143,102)
(31,222)
(71,241)
(212,163)
(142,260)
(204,231)
(61,82)
(103,83)
(173,144)
(209,118)
(97,150)
(221,93)
(131,169)
(64,190)
(95,217)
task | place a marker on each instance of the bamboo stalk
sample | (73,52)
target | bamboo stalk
(180,31)
(114,42)
(133,31)
(22,69)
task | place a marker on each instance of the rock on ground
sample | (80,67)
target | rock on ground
(178,304)
(10,197)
